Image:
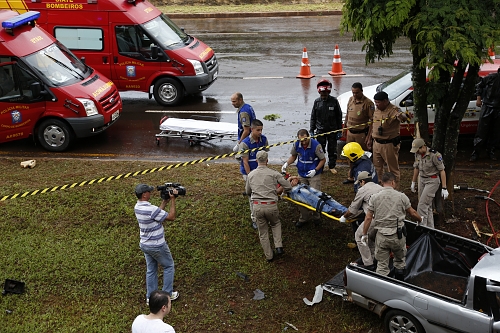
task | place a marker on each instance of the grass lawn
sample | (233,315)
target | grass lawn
(77,251)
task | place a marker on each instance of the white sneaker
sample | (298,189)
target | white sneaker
(174,296)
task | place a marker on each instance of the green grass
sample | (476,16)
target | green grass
(246,8)
(77,251)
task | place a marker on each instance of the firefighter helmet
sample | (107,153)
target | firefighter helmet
(324,85)
(353,151)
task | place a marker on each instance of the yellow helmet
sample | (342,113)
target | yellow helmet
(353,151)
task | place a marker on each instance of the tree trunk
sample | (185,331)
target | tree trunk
(419,79)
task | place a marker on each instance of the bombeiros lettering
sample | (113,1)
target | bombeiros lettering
(103,88)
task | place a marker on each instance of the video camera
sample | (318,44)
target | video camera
(168,188)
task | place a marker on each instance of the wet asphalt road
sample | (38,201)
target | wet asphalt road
(260,57)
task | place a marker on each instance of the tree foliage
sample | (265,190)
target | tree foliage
(448,37)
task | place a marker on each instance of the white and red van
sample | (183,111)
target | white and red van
(131,42)
(46,91)
(400,91)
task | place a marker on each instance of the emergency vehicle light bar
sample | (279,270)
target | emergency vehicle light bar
(21,20)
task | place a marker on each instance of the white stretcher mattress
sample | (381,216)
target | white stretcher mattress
(199,126)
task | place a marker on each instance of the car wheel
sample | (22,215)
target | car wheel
(55,135)
(168,92)
(396,321)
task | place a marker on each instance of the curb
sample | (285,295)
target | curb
(251,14)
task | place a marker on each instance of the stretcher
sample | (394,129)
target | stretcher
(286,197)
(196,131)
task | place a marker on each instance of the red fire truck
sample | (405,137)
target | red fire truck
(131,42)
(46,91)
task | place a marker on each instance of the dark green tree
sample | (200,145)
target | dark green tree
(448,37)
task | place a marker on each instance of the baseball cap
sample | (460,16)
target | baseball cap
(381,96)
(261,156)
(416,144)
(362,176)
(141,188)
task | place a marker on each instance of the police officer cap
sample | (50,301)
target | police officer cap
(416,144)
(362,176)
(381,96)
(141,188)
(261,156)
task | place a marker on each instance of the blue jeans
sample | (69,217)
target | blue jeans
(158,255)
(308,195)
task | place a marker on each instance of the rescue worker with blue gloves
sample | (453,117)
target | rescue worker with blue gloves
(311,159)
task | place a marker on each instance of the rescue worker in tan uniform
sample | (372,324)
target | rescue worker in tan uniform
(387,119)
(358,209)
(261,185)
(429,165)
(359,111)
(387,209)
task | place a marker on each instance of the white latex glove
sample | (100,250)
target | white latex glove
(364,240)
(236,148)
(413,187)
(311,173)
(444,193)
(342,219)
(283,168)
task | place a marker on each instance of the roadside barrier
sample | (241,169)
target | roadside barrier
(166,167)
(305,67)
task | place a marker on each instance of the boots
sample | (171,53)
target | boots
(399,274)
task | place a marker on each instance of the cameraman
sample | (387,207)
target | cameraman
(153,244)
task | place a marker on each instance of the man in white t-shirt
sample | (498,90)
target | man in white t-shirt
(159,305)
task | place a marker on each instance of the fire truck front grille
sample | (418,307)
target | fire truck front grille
(211,63)
(109,101)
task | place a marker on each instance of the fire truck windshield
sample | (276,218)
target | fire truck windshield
(165,32)
(58,65)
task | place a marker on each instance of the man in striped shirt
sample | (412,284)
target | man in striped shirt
(153,244)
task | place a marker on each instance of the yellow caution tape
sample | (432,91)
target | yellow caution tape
(178,165)
(314,209)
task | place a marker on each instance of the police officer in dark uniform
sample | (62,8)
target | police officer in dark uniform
(326,116)
(487,134)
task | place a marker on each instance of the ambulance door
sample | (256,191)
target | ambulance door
(87,43)
(86,34)
(133,60)
(19,110)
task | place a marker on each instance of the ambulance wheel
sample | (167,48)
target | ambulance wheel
(55,135)
(401,321)
(168,92)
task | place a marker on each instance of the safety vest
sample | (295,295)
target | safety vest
(248,109)
(307,159)
(252,156)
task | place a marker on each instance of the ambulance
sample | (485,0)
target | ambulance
(46,91)
(131,42)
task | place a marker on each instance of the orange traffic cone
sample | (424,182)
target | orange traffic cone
(337,63)
(491,53)
(305,67)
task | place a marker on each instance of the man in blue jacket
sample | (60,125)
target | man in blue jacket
(248,159)
(311,159)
